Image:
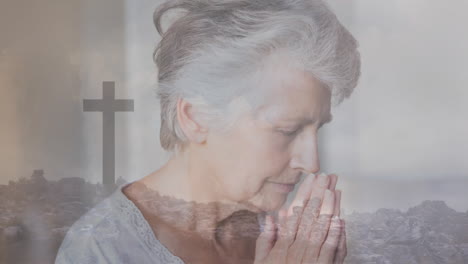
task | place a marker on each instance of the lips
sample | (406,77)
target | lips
(286,183)
(286,186)
(283,187)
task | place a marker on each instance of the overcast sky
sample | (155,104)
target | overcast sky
(409,113)
(403,133)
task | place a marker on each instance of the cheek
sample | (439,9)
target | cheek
(270,158)
(250,183)
(248,177)
(248,158)
(264,157)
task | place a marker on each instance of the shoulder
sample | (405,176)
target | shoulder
(114,231)
(99,236)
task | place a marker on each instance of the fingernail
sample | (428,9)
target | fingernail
(323,178)
(313,175)
(310,177)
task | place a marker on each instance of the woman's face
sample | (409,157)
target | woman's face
(261,159)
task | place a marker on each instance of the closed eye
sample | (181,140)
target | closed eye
(289,133)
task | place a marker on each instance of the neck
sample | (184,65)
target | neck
(184,197)
(186,177)
(194,230)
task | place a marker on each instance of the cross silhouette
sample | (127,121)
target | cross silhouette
(108,106)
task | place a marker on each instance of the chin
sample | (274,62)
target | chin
(268,205)
(268,201)
(274,203)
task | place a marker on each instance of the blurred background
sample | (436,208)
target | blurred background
(399,140)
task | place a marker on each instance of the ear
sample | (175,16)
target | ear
(192,129)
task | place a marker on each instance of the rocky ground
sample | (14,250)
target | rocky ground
(430,233)
(35,214)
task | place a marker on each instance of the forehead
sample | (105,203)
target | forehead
(294,95)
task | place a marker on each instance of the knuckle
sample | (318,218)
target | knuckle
(322,225)
(296,213)
(329,246)
(316,212)
(334,231)
(306,220)
(320,229)
(297,209)
(315,201)
(331,241)
(313,208)
(324,218)
(317,236)
(286,234)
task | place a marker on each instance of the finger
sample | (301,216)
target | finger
(282,215)
(328,205)
(300,200)
(309,217)
(303,192)
(265,240)
(289,221)
(312,209)
(282,222)
(319,228)
(318,189)
(329,247)
(288,229)
(333,181)
(337,210)
(342,248)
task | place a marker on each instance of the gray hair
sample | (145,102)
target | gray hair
(214,53)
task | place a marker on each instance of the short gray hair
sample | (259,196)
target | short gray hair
(214,52)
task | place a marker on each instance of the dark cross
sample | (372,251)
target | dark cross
(108,106)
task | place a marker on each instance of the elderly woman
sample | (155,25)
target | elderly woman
(244,86)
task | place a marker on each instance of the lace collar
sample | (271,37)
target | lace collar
(133,215)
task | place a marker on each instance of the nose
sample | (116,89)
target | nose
(305,154)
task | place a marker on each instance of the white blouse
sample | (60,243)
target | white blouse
(114,231)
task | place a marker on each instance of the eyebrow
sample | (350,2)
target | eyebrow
(326,120)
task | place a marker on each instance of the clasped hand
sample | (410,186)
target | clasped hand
(309,230)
